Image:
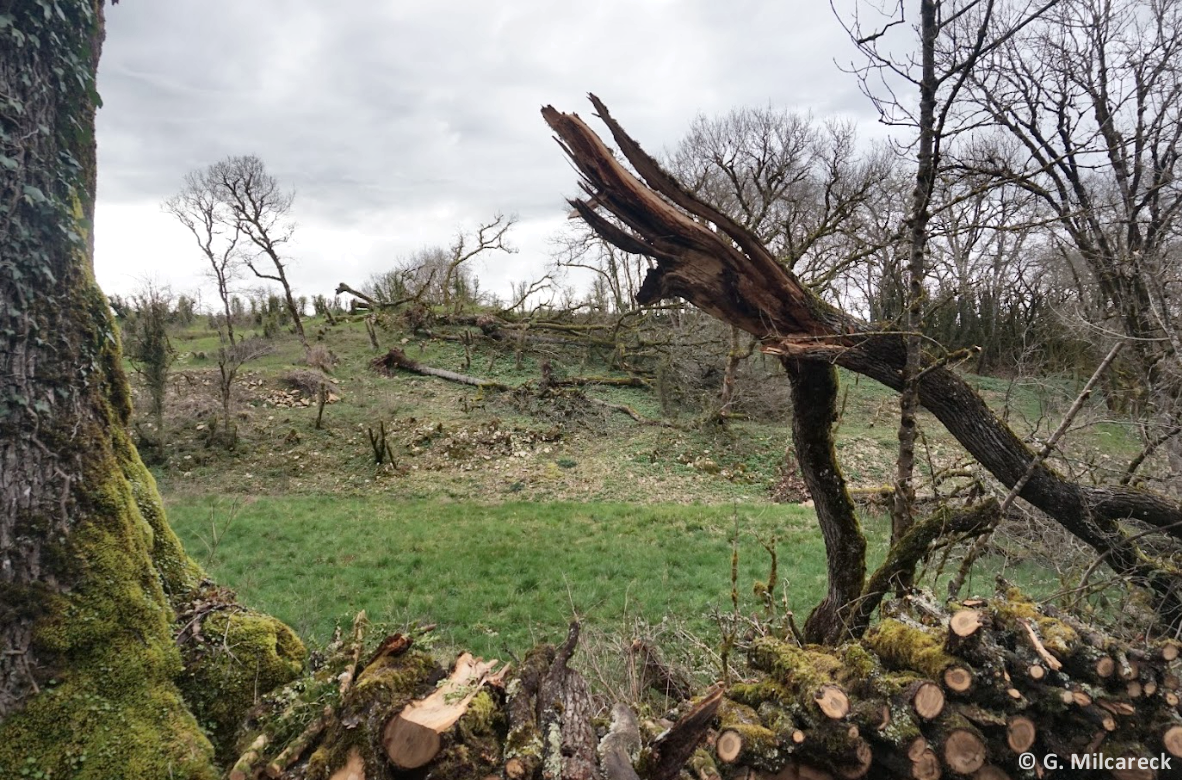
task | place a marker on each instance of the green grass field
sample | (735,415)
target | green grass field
(497,576)
(501,522)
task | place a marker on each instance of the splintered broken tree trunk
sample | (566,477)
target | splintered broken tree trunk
(725,271)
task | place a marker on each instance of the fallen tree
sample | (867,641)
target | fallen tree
(707,259)
(396,359)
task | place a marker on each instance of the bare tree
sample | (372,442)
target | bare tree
(1092,95)
(800,185)
(199,208)
(954,35)
(260,210)
(436,274)
(231,358)
(489,237)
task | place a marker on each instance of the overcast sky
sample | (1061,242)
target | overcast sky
(399,123)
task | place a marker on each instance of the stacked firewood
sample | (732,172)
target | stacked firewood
(965,692)
(974,690)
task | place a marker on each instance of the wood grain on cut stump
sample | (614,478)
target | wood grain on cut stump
(412,738)
(927,699)
(965,622)
(728,746)
(1172,741)
(1020,733)
(964,752)
(833,701)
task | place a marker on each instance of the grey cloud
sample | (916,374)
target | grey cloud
(398,122)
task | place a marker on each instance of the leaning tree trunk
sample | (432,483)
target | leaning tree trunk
(729,274)
(90,572)
(814,413)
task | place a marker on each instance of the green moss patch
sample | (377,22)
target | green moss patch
(237,656)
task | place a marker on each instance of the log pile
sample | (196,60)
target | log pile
(928,693)
(931,693)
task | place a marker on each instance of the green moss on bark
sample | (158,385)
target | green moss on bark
(111,708)
(240,656)
(901,646)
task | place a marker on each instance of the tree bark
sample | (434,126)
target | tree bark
(814,412)
(903,507)
(729,274)
(90,572)
(84,612)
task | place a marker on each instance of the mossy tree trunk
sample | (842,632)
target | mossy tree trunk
(814,413)
(88,565)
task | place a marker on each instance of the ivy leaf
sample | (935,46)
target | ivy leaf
(5,21)
(7,162)
(34,194)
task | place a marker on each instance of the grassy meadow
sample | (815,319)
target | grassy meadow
(496,576)
(500,520)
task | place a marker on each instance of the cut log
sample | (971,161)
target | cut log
(1171,740)
(870,715)
(396,359)
(848,713)
(412,737)
(804,673)
(729,746)
(918,761)
(990,772)
(906,647)
(832,701)
(569,742)
(926,766)
(958,679)
(963,751)
(523,745)
(1020,733)
(925,698)
(965,622)
(838,748)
